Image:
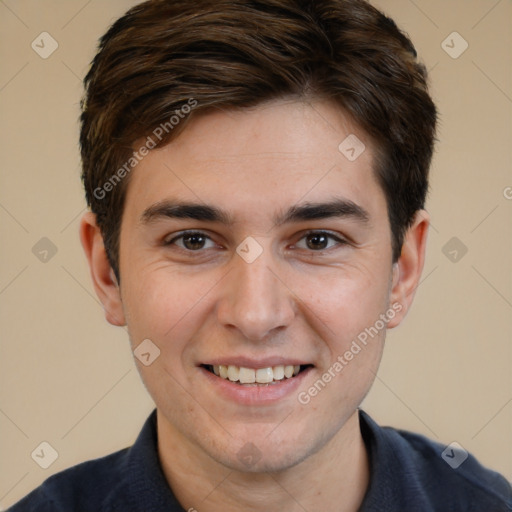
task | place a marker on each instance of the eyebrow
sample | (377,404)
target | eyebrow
(336,208)
(178,210)
(341,208)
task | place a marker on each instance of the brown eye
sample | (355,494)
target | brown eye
(193,241)
(317,241)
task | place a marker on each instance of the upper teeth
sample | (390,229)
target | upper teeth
(258,375)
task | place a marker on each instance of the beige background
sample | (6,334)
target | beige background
(68,378)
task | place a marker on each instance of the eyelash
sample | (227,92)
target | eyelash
(184,234)
(339,241)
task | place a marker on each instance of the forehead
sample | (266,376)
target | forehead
(275,154)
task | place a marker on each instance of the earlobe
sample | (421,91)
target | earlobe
(407,270)
(103,277)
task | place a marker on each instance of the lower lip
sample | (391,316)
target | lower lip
(258,394)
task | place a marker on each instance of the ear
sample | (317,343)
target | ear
(407,270)
(103,277)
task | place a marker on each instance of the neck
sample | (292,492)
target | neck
(334,478)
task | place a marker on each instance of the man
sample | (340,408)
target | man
(256,173)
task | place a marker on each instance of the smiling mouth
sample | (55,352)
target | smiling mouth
(256,376)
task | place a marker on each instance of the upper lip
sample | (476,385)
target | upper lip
(247,362)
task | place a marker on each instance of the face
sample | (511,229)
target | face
(251,245)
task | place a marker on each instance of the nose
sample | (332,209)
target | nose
(255,299)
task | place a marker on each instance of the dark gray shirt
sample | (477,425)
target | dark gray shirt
(408,474)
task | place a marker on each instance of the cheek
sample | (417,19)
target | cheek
(345,303)
(348,317)
(164,306)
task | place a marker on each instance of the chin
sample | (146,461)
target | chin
(267,461)
(259,454)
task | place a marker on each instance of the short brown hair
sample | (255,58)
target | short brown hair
(231,54)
